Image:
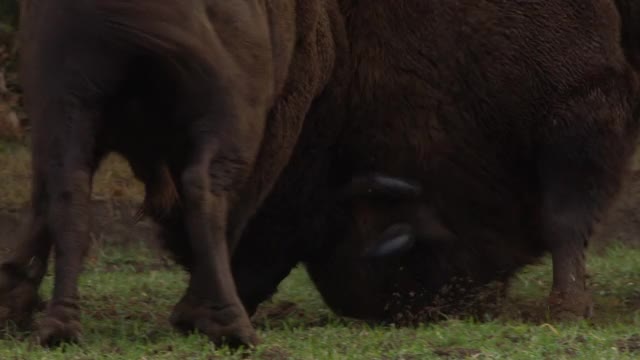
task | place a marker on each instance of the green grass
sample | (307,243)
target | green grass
(127,294)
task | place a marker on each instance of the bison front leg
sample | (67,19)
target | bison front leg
(569,296)
(582,160)
(569,212)
(568,215)
(211,304)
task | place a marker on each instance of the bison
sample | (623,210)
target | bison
(516,118)
(204,98)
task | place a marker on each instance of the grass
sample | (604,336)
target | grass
(127,294)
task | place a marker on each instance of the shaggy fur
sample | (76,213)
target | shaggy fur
(516,117)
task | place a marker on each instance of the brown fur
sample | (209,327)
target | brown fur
(629,11)
(206,100)
(516,117)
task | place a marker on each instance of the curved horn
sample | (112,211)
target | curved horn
(394,240)
(387,187)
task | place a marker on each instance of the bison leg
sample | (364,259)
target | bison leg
(569,295)
(69,224)
(211,304)
(267,254)
(22,270)
(69,188)
(173,234)
(567,221)
(580,173)
(62,178)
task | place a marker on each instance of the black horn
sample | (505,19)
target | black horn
(382,186)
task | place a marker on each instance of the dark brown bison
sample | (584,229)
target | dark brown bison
(516,118)
(205,99)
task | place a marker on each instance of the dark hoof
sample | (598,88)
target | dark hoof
(18,303)
(223,325)
(571,306)
(61,324)
(53,332)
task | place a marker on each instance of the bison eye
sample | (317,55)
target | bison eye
(396,239)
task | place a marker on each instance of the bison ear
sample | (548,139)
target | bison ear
(381,186)
(396,239)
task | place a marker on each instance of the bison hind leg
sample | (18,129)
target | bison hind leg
(22,269)
(19,283)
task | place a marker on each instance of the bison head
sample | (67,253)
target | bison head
(399,261)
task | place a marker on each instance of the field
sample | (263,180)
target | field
(127,295)
(129,288)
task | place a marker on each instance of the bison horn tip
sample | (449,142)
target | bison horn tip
(396,239)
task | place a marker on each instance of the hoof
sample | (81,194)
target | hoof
(571,306)
(18,303)
(61,324)
(53,332)
(223,325)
